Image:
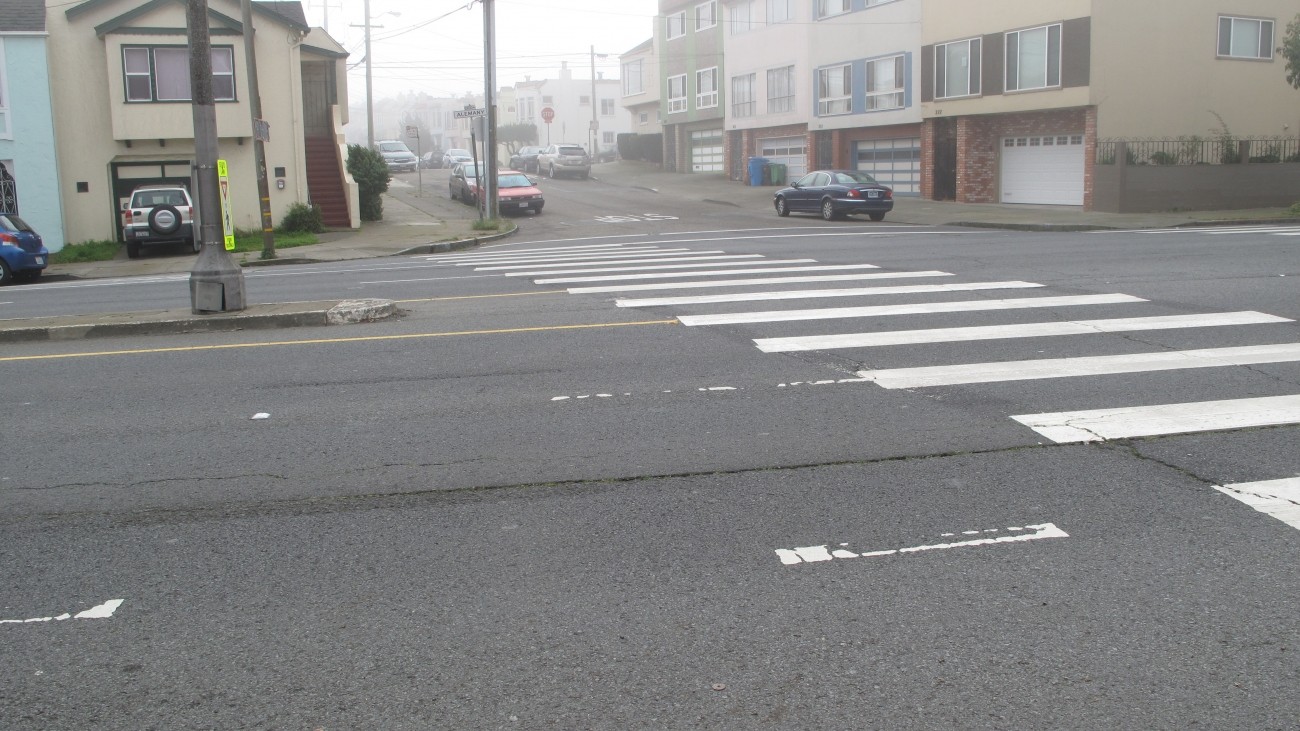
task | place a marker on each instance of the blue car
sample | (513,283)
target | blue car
(23,255)
(835,194)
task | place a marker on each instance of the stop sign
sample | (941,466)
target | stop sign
(548,114)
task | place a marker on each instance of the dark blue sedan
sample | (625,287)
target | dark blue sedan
(834,194)
(22,253)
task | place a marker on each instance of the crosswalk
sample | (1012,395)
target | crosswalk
(746,289)
(1270,230)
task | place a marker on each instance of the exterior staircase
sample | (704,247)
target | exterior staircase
(325,183)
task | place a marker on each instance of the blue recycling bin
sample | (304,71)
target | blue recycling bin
(756,165)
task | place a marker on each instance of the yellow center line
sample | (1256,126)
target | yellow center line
(324,341)
(483,296)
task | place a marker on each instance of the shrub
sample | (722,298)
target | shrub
(371,173)
(301,218)
(1160,157)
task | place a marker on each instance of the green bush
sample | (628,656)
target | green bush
(1295,209)
(301,218)
(371,173)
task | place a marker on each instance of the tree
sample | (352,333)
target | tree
(1290,50)
(371,173)
(514,136)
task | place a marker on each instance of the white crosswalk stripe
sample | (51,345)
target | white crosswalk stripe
(1145,421)
(912,309)
(700,262)
(753,282)
(1214,230)
(719,273)
(998,332)
(1278,498)
(820,293)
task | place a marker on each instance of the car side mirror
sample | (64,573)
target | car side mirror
(795,185)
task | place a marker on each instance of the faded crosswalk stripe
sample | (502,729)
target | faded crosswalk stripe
(1144,421)
(820,293)
(1278,498)
(912,309)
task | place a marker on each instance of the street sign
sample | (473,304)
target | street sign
(468,112)
(412,131)
(227,219)
(548,114)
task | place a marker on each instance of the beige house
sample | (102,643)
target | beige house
(119,76)
(640,76)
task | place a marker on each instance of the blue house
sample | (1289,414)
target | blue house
(29,173)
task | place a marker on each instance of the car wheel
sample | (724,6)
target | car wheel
(6,274)
(164,219)
(828,210)
(876,216)
(781,209)
(133,249)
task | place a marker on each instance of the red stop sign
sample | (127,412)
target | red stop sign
(548,114)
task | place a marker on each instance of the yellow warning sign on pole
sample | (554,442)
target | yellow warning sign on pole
(227,219)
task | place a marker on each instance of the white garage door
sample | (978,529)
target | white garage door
(706,151)
(893,162)
(1044,170)
(792,152)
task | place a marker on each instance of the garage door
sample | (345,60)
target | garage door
(706,151)
(894,162)
(1044,170)
(792,152)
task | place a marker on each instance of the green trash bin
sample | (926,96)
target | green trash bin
(778,173)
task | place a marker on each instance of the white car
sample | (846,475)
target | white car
(159,214)
(455,156)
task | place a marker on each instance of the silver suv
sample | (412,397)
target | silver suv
(564,158)
(159,214)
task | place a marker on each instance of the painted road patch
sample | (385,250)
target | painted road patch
(1017,534)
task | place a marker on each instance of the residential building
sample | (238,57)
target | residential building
(640,76)
(1018,96)
(576,116)
(689,38)
(119,74)
(29,175)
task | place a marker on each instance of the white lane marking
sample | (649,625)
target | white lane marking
(665,236)
(1097,365)
(819,293)
(543,250)
(718,273)
(1144,421)
(99,611)
(543,258)
(692,256)
(766,262)
(998,332)
(814,554)
(912,309)
(1280,230)
(764,281)
(1278,498)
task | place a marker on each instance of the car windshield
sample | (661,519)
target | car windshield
(393,147)
(469,171)
(851,177)
(11,222)
(458,153)
(146,198)
(513,181)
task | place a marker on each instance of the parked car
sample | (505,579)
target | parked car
(159,214)
(397,156)
(464,176)
(518,192)
(23,255)
(455,156)
(564,158)
(834,194)
(525,159)
(431,159)
(607,154)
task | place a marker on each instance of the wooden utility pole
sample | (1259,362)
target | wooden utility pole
(216,281)
(261,132)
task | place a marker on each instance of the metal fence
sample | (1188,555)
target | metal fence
(1224,150)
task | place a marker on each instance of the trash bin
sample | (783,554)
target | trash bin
(777,173)
(756,170)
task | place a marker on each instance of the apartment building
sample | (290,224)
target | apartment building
(689,39)
(994,102)
(574,108)
(640,76)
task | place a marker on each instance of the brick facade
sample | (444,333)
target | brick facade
(743,144)
(979,148)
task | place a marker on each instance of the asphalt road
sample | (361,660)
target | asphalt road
(521,505)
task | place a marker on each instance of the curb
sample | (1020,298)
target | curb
(445,246)
(174,322)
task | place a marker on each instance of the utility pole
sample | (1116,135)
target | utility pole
(490,95)
(260,131)
(216,282)
(370,94)
(595,125)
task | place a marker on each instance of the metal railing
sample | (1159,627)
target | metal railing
(1220,150)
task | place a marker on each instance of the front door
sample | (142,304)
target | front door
(316,100)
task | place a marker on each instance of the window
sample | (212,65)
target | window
(1245,38)
(1034,58)
(835,90)
(885,83)
(706,15)
(742,96)
(675,25)
(677,93)
(607,107)
(742,17)
(827,8)
(547,100)
(633,83)
(706,88)
(607,138)
(584,101)
(957,69)
(162,73)
(5,131)
(779,11)
(780,90)
(643,117)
